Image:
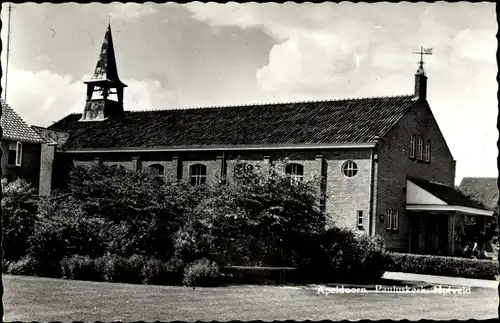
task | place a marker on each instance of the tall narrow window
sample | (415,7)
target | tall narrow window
(15,154)
(388,219)
(420,148)
(395,220)
(412,146)
(360,219)
(198,174)
(296,172)
(428,151)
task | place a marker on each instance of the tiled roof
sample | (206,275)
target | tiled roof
(15,128)
(322,122)
(483,189)
(52,136)
(449,194)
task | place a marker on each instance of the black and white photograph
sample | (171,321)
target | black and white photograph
(245,161)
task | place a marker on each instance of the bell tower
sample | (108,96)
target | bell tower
(104,89)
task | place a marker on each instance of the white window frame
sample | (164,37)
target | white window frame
(295,171)
(18,148)
(420,148)
(413,140)
(388,220)
(428,151)
(200,178)
(395,220)
(350,167)
(359,219)
(19,153)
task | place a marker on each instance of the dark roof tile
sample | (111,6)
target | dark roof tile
(483,189)
(321,122)
(15,128)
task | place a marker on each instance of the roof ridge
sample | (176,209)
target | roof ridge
(278,103)
(54,129)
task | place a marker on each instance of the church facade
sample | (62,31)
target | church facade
(385,166)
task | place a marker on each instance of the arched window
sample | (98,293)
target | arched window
(198,174)
(350,169)
(296,172)
(157,168)
(241,169)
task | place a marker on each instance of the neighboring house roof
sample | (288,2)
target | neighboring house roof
(15,128)
(52,136)
(482,189)
(322,122)
(448,194)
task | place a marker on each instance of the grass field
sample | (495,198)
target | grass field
(43,299)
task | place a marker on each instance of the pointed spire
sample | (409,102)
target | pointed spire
(106,70)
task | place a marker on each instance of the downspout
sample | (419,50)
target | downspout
(373,187)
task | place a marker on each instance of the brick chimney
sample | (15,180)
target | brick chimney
(420,83)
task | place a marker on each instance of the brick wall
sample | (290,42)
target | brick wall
(47,156)
(30,164)
(345,196)
(394,165)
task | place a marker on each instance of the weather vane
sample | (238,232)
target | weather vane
(423,51)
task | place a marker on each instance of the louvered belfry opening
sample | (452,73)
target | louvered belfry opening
(105,89)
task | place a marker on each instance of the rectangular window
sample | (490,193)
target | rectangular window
(412,146)
(19,153)
(428,151)
(420,148)
(360,219)
(388,219)
(395,220)
(14,156)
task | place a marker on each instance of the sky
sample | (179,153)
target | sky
(198,54)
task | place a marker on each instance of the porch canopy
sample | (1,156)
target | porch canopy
(422,195)
(436,213)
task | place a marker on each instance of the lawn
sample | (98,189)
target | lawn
(43,299)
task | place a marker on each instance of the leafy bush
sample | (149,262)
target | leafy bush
(123,270)
(157,272)
(82,268)
(260,218)
(444,266)
(27,266)
(18,218)
(340,255)
(202,272)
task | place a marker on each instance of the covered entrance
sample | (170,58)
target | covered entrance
(437,215)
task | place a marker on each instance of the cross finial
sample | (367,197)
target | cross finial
(423,51)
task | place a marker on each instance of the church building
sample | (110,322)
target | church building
(385,165)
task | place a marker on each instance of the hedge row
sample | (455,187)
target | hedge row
(443,266)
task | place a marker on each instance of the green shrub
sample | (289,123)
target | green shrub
(340,255)
(443,266)
(157,272)
(123,270)
(18,218)
(82,268)
(202,272)
(27,266)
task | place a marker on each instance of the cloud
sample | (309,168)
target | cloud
(132,11)
(43,97)
(320,45)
